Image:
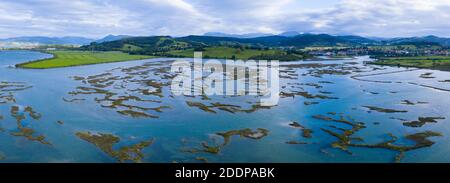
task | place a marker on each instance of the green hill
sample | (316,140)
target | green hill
(271,47)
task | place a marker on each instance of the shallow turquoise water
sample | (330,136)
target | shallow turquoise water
(182,127)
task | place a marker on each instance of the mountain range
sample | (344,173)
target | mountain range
(425,39)
(110,37)
(242,36)
(251,35)
(68,40)
(50,40)
(286,39)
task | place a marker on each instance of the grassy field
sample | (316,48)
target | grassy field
(76,58)
(225,52)
(429,62)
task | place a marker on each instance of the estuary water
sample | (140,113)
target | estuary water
(331,110)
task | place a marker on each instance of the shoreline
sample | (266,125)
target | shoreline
(19,66)
(444,68)
(55,56)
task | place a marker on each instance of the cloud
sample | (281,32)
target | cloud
(97,18)
(59,18)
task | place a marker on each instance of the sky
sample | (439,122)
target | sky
(98,18)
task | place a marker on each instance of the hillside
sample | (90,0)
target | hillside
(163,43)
(109,38)
(420,40)
(268,47)
(233,47)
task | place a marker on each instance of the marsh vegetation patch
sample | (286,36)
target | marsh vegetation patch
(106,143)
(346,139)
(133,91)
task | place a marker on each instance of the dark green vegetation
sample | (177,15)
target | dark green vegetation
(383,110)
(157,44)
(306,133)
(212,47)
(267,48)
(428,62)
(225,107)
(109,90)
(76,58)
(216,148)
(422,121)
(346,139)
(408,102)
(23,131)
(420,141)
(420,41)
(106,142)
